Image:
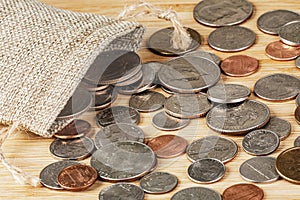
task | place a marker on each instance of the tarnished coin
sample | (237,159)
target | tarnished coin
(92,87)
(222,13)
(161,42)
(123,161)
(238,118)
(122,191)
(231,38)
(72,149)
(298,100)
(165,122)
(288,164)
(201,193)
(187,105)
(277,87)
(282,52)
(260,142)
(228,93)
(103,99)
(290,33)
(297,62)
(220,148)
(259,170)
(147,101)
(155,66)
(204,54)
(297,142)
(167,90)
(118,132)
(76,129)
(117,114)
(131,80)
(158,182)
(243,191)
(206,170)
(297,114)
(279,126)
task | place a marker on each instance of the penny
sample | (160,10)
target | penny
(72,149)
(297,114)
(239,65)
(201,193)
(238,118)
(77,177)
(161,42)
(277,87)
(297,62)
(231,38)
(290,33)
(297,142)
(288,164)
(282,52)
(76,129)
(204,54)
(103,99)
(259,170)
(168,146)
(216,147)
(147,101)
(279,126)
(118,132)
(260,142)
(158,182)
(243,191)
(222,13)
(165,122)
(122,191)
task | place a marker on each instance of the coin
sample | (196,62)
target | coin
(92,87)
(167,90)
(187,105)
(222,13)
(290,33)
(297,62)
(165,122)
(238,118)
(103,99)
(158,182)
(76,129)
(243,191)
(282,52)
(260,142)
(259,170)
(239,65)
(122,191)
(277,87)
(160,42)
(298,100)
(297,142)
(216,147)
(204,54)
(288,164)
(279,126)
(117,114)
(155,66)
(147,101)
(168,146)
(297,114)
(123,161)
(201,193)
(231,38)
(72,149)
(131,80)
(118,132)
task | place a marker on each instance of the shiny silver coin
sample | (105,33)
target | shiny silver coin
(166,122)
(259,170)
(122,191)
(158,182)
(297,62)
(187,105)
(222,13)
(131,80)
(103,99)
(155,66)
(216,147)
(298,100)
(147,101)
(167,90)
(231,38)
(92,87)
(204,54)
(297,142)
(199,193)
(238,118)
(290,33)
(228,93)
(279,126)
(277,87)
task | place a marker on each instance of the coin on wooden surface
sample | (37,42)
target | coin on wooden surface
(279,126)
(155,66)
(167,90)
(205,54)
(147,101)
(231,38)
(297,142)
(166,122)
(122,191)
(282,52)
(297,114)
(201,193)
(243,191)
(238,118)
(297,62)
(259,170)
(290,33)
(76,129)
(277,87)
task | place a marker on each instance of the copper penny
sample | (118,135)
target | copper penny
(168,146)
(77,177)
(240,65)
(280,51)
(243,191)
(297,114)
(76,129)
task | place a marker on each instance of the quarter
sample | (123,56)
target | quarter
(243,191)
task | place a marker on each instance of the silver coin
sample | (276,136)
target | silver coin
(216,147)
(231,38)
(92,87)
(222,13)
(167,90)
(103,99)
(199,193)
(147,101)
(297,62)
(122,191)
(279,126)
(131,80)
(156,66)
(238,118)
(259,170)
(187,105)
(158,182)
(298,100)
(165,122)
(290,33)
(228,93)
(277,87)
(297,142)
(204,54)
(123,161)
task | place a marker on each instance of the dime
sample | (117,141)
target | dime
(259,170)
(118,132)
(277,87)
(243,191)
(201,193)
(231,38)
(260,142)
(158,182)
(297,142)
(222,13)
(239,65)
(168,146)
(288,164)
(165,122)
(147,101)
(161,42)
(279,126)
(103,99)
(122,191)
(238,118)
(290,33)
(297,114)
(216,147)
(76,129)
(204,54)
(297,62)
(282,52)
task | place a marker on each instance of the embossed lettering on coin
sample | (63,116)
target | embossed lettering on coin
(122,191)
(243,191)
(201,193)
(279,126)
(165,122)
(147,101)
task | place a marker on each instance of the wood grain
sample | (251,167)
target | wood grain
(31,153)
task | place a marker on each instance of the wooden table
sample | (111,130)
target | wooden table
(31,152)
